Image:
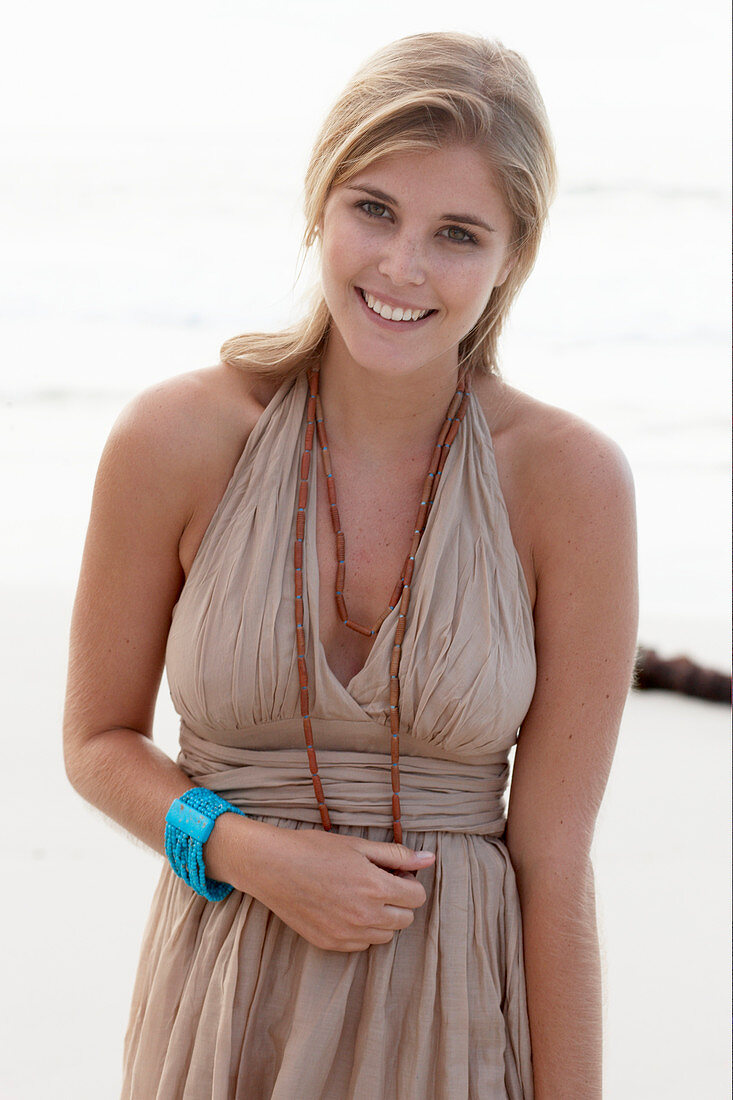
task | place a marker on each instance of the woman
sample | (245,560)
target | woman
(391,933)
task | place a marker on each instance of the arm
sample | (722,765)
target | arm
(145,494)
(156,475)
(585,624)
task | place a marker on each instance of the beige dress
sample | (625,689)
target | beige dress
(229,1001)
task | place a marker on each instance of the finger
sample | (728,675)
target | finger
(396,857)
(397,917)
(405,893)
(380,935)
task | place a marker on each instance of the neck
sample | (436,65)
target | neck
(383,418)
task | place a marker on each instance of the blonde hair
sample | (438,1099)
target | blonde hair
(421,93)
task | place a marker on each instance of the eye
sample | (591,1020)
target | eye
(372,209)
(459,235)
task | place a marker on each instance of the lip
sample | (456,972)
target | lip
(393,304)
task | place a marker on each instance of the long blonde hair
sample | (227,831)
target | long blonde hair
(420,93)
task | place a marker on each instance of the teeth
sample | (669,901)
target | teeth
(396,314)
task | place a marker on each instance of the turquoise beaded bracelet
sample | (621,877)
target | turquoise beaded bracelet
(188,826)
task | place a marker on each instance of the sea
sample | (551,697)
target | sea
(151,166)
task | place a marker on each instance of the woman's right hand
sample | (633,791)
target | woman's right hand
(340,892)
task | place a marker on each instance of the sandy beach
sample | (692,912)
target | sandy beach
(145,222)
(80,889)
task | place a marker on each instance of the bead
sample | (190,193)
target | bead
(365,630)
(318,789)
(315,423)
(395,596)
(188,824)
(309,438)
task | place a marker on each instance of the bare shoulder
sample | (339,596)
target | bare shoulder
(555,467)
(176,444)
(185,417)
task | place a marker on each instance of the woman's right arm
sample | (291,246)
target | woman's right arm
(144,496)
(155,470)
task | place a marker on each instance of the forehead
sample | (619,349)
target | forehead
(433,177)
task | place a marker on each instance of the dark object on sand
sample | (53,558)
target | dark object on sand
(680,674)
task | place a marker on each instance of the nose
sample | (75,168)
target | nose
(402,261)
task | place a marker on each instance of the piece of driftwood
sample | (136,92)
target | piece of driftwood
(679,674)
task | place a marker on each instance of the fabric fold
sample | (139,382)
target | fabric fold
(435,794)
(230,1003)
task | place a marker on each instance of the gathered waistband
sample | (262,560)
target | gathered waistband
(436,794)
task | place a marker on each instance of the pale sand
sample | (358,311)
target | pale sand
(78,891)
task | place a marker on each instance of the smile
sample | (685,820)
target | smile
(393,313)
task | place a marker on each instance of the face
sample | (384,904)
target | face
(411,250)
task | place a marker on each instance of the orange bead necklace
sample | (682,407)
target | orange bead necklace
(454,416)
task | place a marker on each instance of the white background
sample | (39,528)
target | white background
(151,164)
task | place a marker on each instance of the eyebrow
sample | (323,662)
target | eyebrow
(469,219)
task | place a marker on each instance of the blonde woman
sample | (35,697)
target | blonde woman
(367,563)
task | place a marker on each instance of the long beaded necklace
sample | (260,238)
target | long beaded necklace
(314,412)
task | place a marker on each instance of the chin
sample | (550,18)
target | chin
(386,363)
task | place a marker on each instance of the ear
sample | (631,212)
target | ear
(504,272)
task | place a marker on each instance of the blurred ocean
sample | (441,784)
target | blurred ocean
(151,159)
(150,191)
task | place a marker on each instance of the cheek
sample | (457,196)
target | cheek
(335,263)
(470,289)
(347,248)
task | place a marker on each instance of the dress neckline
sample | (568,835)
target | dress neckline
(313,580)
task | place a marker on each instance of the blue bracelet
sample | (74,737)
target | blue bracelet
(188,826)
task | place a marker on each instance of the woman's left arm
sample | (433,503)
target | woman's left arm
(584,549)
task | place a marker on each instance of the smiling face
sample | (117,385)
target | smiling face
(411,250)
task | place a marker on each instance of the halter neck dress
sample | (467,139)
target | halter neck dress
(229,1002)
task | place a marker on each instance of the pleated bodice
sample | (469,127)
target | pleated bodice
(468,667)
(230,1002)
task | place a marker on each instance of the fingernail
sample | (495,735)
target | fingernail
(424,855)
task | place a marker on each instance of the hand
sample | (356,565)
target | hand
(341,893)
